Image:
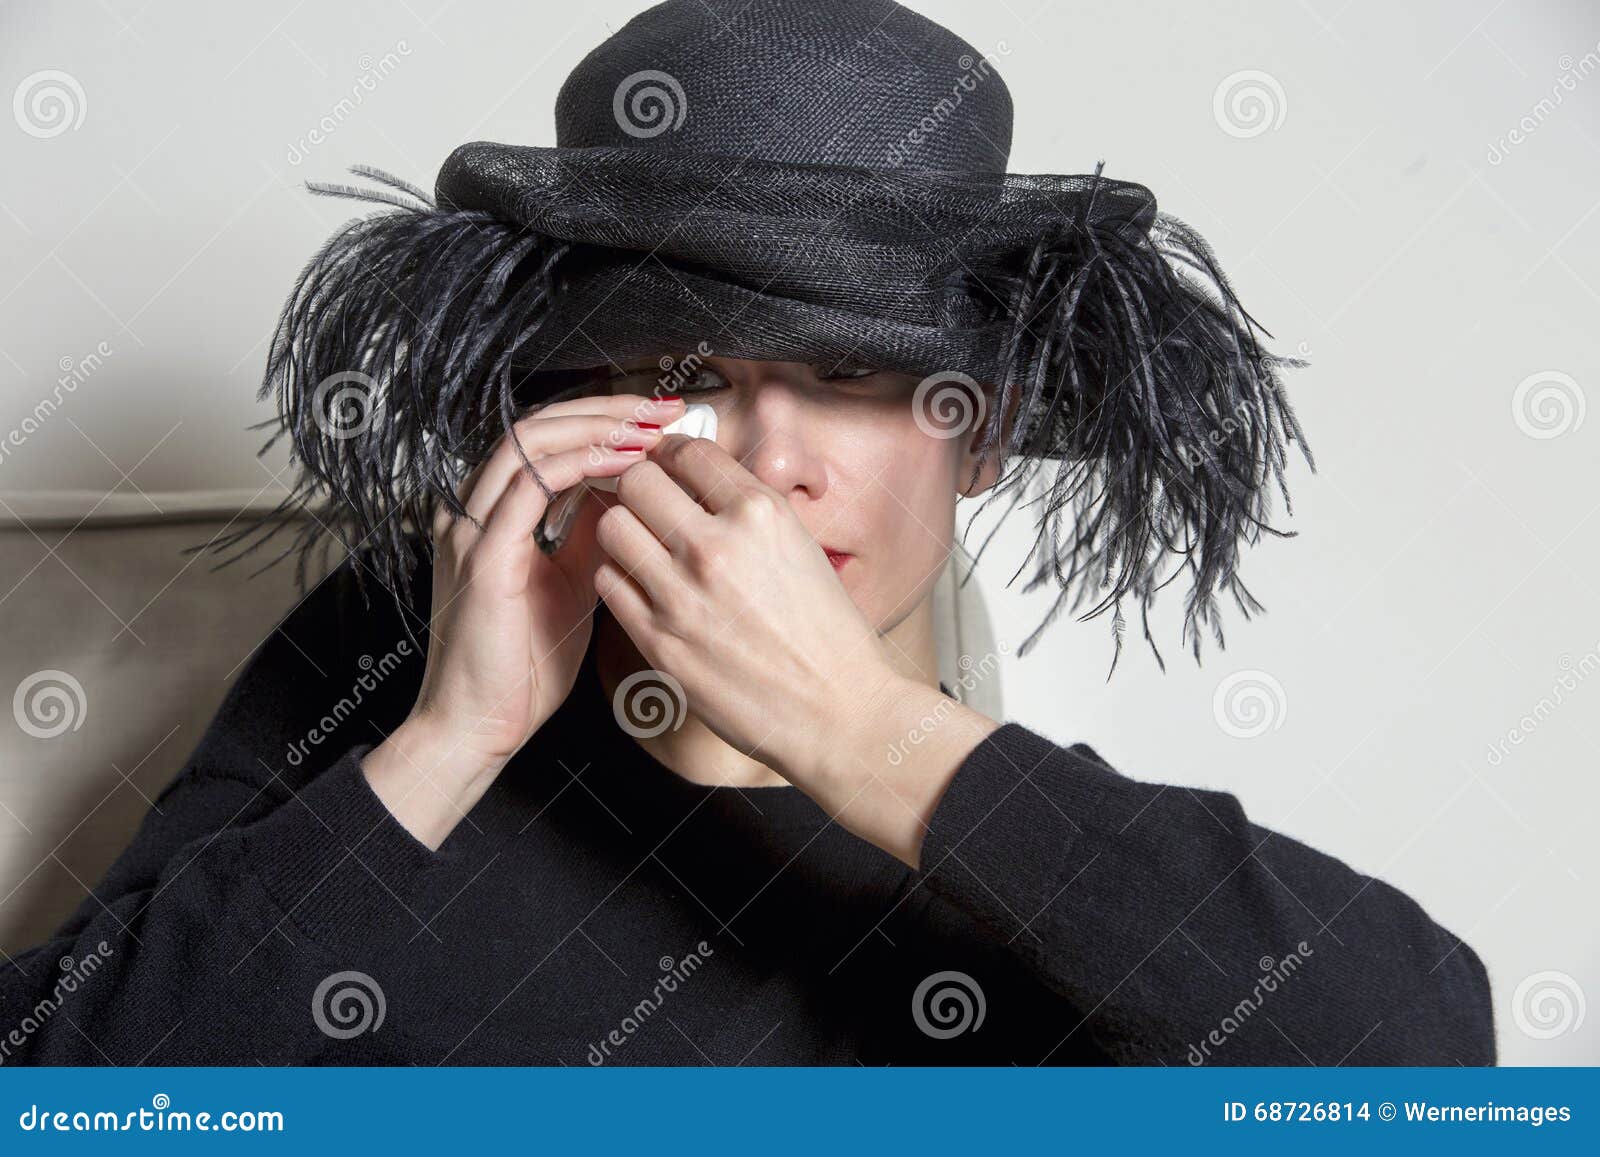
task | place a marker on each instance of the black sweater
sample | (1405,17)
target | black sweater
(596,908)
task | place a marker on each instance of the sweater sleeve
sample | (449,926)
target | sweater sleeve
(264,890)
(1182,933)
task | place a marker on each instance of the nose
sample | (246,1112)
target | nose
(776,433)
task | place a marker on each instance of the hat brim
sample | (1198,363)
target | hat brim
(910,269)
(1106,327)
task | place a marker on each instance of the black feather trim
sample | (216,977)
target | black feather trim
(1135,365)
(392,371)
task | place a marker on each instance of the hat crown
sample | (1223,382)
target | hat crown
(853,82)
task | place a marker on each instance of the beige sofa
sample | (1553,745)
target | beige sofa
(119,648)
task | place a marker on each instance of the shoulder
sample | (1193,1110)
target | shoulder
(341,667)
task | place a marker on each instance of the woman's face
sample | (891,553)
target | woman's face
(874,484)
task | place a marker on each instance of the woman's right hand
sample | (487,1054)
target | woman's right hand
(510,624)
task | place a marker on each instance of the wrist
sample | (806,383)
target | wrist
(428,778)
(846,714)
(892,761)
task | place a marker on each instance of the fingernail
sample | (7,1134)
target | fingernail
(630,449)
(669,398)
(648,425)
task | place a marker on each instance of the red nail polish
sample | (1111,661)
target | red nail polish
(648,425)
(668,398)
(630,449)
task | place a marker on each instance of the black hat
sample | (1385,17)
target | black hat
(797,180)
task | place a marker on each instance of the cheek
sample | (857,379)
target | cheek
(912,513)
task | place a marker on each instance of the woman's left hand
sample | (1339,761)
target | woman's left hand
(720,585)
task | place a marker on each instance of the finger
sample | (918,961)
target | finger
(558,472)
(541,437)
(443,517)
(640,407)
(710,475)
(624,598)
(661,505)
(638,552)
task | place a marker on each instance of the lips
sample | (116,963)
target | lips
(837,558)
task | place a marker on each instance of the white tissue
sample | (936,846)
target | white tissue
(699,421)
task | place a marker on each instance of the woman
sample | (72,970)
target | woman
(824,860)
(449,831)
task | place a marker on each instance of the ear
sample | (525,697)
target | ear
(978,473)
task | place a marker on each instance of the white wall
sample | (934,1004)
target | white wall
(1445,576)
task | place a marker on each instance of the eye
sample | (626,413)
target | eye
(703,378)
(836,373)
(684,378)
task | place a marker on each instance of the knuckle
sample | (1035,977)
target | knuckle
(691,451)
(608,527)
(630,482)
(759,507)
(706,557)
